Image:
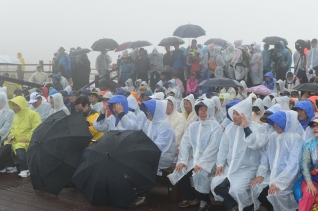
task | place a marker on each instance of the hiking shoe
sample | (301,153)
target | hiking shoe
(3,170)
(188,203)
(11,170)
(24,174)
(139,202)
(205,208)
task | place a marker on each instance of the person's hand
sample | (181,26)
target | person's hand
(23,140)
(119,108)
(177,152)
(273,189)
(180,166)
(244,121)
(219,171)
(105,107)
(258,180)
(196,169)
(311,188)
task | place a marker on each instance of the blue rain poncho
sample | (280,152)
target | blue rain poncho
(127,122)
(307,106)
(199,146)
(270,84)
(159,130)
(280,162)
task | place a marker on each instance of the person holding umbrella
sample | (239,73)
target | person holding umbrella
(102,64)
(143,65)
(167,57)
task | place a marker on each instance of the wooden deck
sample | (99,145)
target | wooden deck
(18,194)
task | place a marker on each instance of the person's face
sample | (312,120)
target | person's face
(16,108)
(203,112)
(277,87)
(237,118)
(79,107)
(138,84)
(61,51)
(103,52)
(170,84)
(194,43)
(226,88)
(54,79)
(222,101)
(105,100)
(145,97)
(125,60)
(55,60)
(157,87)
(278,129)
(142,52)
(267,78)
(162,77)
(52,102)
(176,47)
(38,69)
(193,76)
(266,47)
(127,84)
(301,114)
(290,77)
(294,96)
(314,128)
(167,48)
(187,106)
(253,100)
(316,77)
(93,99)
(169,107)
(37,103)
(73,98)
(313,45)
(291,105)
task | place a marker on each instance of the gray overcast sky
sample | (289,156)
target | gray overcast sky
(38,28)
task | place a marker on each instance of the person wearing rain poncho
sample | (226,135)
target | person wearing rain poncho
(284,61)
(228,56)
(229,90)
(57,104)
(258,111)
(280,87)
(239,71)
(267,102)
(172,85)
(6,117)
(279,167)
(159,86)
(219,114)
(175,119)
(129,85)
(208,57)
(138,85)
(220,64)
(291,81)
(266,58)
(187,110)
(203,89)
(140,115)
(155,59)
(238,158)
(197,156)
(121,118)
(241,92)
(312,58)
(305,112)
(228,119)
(283,101)
(224,99)
(159,130)
(256,66)
(269,81)
(40,105)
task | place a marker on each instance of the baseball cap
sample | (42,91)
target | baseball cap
(34,97)
(107,95)
(54,76)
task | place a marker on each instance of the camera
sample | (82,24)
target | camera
(274,54)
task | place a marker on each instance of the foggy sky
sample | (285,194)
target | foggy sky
(37,28)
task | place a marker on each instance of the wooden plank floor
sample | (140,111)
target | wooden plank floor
(18,194)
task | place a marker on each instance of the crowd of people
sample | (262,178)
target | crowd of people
(247,150)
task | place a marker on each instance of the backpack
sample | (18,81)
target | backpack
(212,64)
(246,58)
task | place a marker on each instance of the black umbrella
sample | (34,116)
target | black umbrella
(116,169)
(272,40)
(55,150)
(80,52)
(310,87)
(189,31)
(139,44)
(220,82)
(5,155)
(216,41)
(171,41)
(104,44)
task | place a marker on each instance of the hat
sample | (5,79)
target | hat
(34,97)
(313,120)
(61,49)
(53,91)
(147,92)
(75,93)
(158,96)
(314,40)
(64,93)
(95,93)
(107,95)
(56,76)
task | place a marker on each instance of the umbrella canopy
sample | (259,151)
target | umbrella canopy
(119,166)
(189,31)
(220,82)
(216,41)
(171,41)
(122,46)
(55,150)
(80,52)
(104,44)
(311,87)
(7,59)
(139,44)
(272,40)
(260,90)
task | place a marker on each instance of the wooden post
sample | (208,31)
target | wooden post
(41,63)
(96,81)
(50,66)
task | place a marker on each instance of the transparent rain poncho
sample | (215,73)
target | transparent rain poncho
(240,156)
(219,115)
(256,66)
(257,116)
(267,102)
(159,130)
(58,104)
(192,117)
(6,116)
(178,95)
(199,146)
(280,162)
(281,85)
(140,115)
(283,101)
(226,99)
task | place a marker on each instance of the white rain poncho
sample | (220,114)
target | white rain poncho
(141,118)
(129,86)
(239,71)
(138,87)
(127,122)
(97,106)
(199,146)
(240,156)
(256,66)
(43,109)
(159,130)
(281,87)
(155,59)
(283,101)
(219,62)
(160,84)
(178,101)
(209,55)
(312,59)
(58,104)
(267,102)
(242,96)
(228,56)
(219,115)
(176,120)
(226,99)
(192,117)
(280,162)
(6,117)
(178,95)
(257,116)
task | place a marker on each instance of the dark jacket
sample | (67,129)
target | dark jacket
(167,59)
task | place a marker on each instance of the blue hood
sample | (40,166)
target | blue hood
(269,74)
(282,44)
(305,105)
(150,105)
(278,118)
(229,105)
(118,99)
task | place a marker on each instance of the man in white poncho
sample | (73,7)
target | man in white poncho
(40,105)
(279,167)
(238,159)
(197,157)
(6,117)
(57,104)
(187,110)
(159,130)
(140,115)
